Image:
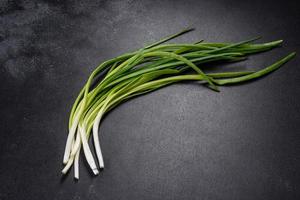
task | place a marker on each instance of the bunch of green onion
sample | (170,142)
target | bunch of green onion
(143,71)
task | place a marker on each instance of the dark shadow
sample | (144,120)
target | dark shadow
(64,177)
(98,79)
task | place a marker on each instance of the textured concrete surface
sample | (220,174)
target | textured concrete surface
(181,142)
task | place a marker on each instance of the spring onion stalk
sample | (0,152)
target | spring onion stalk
(76,165)
(145,70)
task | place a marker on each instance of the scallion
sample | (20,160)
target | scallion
(145,70)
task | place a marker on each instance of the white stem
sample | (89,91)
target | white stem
(95,131)
(78,142)
(76,145)
(72,144)
(71,158)
(76,165)
(70,139)
(75,148)
(87,151)
(76,154)
(68,165)
(96,139)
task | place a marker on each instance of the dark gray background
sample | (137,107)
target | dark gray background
(181,142)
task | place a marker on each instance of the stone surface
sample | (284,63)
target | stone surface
(181,142)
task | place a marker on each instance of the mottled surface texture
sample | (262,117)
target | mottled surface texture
(181,142)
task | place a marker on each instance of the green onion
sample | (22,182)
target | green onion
(150,68)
